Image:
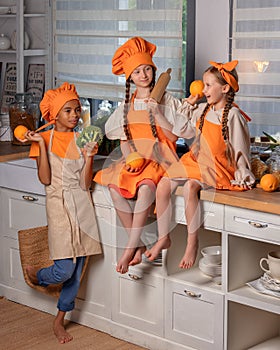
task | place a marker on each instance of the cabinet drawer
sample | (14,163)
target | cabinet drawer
(254,224)
(193,316)
(21,210)
(137,300)
(213,214)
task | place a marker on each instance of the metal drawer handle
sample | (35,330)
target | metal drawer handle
(30,198)
(257,224)
(191,294)
(134,277)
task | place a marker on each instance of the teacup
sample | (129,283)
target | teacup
(273,263)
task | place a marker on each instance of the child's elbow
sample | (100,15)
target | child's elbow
(45,180)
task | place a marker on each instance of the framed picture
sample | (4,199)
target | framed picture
(35,83)
(9,87)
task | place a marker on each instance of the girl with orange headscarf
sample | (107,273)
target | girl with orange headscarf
(145,128)
(219,155)
(66,172)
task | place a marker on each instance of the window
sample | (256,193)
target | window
(87,33)
(256,44)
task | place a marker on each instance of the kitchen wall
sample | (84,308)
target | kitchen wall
(212,33)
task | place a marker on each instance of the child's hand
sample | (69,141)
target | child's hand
(152,105)
(31,135)
(192,100)
(90,149)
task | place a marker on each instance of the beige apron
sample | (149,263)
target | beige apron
(72,226)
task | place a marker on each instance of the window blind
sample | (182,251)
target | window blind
(87,34)
(256,44)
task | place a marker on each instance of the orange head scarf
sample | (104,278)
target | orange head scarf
(225,69)
(54,100)
(135,52)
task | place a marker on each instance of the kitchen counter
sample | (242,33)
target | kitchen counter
(255,199)
(9,152)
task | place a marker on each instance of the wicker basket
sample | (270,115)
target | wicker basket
(34,251)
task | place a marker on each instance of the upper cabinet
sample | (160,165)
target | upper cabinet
(27,24)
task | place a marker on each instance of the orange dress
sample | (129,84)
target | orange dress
(125,182)
(211,166)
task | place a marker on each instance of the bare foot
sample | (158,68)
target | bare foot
(126,258)
(190,253)
(163,243)
(60,332)
(137,259)
(32,274)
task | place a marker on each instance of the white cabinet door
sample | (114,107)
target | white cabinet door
(95,290)
(137,300)
(21,210)
(193,316)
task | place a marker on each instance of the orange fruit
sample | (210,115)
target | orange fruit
(269,182)
(134,160)
(19,132)
(196,88)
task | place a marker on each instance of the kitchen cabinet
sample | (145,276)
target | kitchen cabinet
(252,319)
(19,210)
(194,315)
(33,18)
(160,306)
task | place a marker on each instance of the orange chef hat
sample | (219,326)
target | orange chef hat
(54,100)
(135,52)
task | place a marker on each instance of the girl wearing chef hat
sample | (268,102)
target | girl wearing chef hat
(145,130)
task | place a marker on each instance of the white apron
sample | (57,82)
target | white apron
(72,226)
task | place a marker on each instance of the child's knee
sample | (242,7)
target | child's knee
(62,276)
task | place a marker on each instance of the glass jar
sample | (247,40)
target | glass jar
(85,115)
(23,112)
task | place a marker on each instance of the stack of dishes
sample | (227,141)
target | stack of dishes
(211,263)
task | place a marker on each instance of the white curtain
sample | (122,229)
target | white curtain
(256,44)
(88,32)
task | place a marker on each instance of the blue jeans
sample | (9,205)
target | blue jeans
(68,273)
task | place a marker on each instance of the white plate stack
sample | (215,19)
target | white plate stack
(211,263)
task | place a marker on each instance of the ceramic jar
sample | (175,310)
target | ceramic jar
(4,42)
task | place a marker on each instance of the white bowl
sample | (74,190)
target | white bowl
(210,270)
(212,254)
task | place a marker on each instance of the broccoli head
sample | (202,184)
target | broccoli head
(90,133)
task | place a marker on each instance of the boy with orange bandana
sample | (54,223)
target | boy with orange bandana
(66,171)
(219,157)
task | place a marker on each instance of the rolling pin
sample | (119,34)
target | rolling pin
(161,85)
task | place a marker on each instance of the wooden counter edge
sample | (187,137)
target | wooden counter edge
(255,199)
(9,152)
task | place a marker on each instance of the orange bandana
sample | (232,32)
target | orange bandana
(225,70)
(132,54)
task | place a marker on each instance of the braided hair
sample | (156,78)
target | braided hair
(229,101)
(156,150)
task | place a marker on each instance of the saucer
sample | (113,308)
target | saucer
(269,282)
